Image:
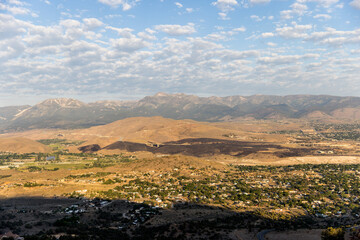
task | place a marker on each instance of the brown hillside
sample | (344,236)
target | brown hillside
(153,129)
(347,113)
(159,130)
(317,115)
(22,145)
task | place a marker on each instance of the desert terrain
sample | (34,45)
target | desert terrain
(230,179)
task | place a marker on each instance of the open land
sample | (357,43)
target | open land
(149,178)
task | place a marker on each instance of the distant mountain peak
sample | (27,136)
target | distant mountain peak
(161,94)
(62,102)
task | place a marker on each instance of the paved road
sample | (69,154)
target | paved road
(261,235)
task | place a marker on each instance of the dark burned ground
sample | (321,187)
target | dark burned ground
(204,147)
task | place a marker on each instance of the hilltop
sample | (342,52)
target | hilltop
(154,129)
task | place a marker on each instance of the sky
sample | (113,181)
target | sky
(126,49)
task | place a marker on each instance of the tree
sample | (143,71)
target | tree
(333,234)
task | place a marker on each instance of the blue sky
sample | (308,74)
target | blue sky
(126,49)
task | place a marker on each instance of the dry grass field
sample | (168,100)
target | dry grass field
(293,141)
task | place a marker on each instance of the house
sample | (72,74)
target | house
(11,235)
(50,158)
(308,131)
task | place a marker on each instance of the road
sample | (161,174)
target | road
(261,235)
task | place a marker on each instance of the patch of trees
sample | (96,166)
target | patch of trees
(333,234)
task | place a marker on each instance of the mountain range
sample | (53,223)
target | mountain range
(71,113)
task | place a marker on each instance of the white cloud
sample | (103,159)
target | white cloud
(356,51)
(322,16)
(224,35)
(223,16)
(189,10)
(240,29)
(14,9)
(355,4)
(295,31)
(322,3)
(11,27)
(267,34)
(230,55)
(179,5)
(334,37)
(70,23)
(11,48)
(339,41)
(259,1)
(176,30)
(340,5)
(126,4)
(16,2)
(257,18)
(92,23)
(71,57)
(225,6)
(123,32)
(271,44)
(40,36)
(316,36)
(150,31)
(286,59)
(216,37)
(147,35)
(286,14)
(298,9)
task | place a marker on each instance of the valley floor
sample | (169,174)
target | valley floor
(226,184)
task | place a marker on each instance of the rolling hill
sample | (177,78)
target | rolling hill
(154,129)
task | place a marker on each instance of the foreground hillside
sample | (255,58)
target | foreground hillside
(70,113)
(82,195)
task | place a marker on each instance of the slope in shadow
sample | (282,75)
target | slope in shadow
(43,218)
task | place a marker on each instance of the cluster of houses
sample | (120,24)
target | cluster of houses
(10,235)
(135,216)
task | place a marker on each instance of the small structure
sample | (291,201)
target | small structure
(11,235)
(308,131)
(50,158)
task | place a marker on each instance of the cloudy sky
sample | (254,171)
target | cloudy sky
(126,49)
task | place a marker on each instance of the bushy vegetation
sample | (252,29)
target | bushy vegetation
(70,221)
(333,234)
(351,135)
(32,184)
(89,175)
(5,176)
(6,158)
(64,142)
(336,126)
